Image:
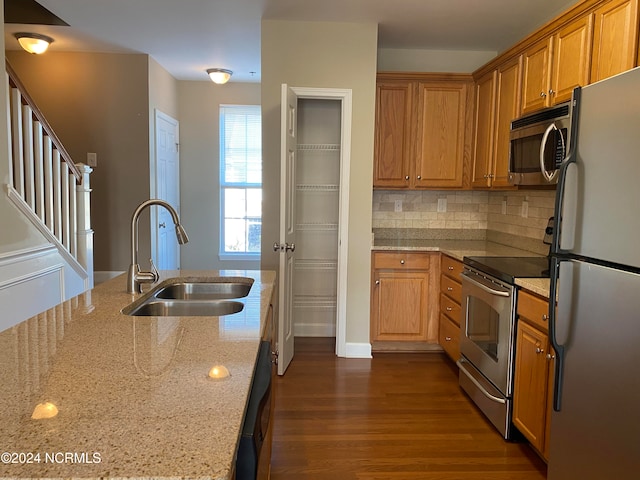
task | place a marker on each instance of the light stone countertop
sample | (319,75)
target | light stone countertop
(459,249)
(133,394)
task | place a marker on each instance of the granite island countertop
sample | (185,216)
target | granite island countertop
(459,249)
(133,395)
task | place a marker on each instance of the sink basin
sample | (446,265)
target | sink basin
(205,290)
(184,308)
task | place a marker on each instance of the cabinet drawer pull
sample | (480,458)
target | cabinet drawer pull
(450,268)
(449,289)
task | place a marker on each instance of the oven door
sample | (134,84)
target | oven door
(487,330)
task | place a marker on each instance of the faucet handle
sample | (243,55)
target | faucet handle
(154,271)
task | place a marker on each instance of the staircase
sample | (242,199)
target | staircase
(53,193)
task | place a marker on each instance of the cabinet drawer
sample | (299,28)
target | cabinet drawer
(451,267)
(449,337)
(535,309)
(400,260)
(450,308)
(451,288)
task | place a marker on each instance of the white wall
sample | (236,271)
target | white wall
(325,55)
(199,117)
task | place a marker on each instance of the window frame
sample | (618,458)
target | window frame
(223,185)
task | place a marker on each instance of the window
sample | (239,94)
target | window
(240,181)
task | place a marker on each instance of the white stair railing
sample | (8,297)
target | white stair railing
(45,183)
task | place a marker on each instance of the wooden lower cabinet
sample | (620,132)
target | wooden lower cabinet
(450,309)
(533,378)
(401,295)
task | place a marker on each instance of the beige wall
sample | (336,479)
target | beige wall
(328,55)
(199,115)
(100,103)
(419,60)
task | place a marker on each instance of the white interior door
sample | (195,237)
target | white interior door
(286,243)
(164,246)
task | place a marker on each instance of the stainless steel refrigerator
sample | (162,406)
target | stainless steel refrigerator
(595,425)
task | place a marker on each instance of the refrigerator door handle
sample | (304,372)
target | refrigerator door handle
(559,349)
(563,169)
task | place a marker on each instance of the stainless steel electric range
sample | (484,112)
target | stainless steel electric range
(487,340)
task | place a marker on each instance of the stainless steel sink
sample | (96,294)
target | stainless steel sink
(205,290)
(184,308)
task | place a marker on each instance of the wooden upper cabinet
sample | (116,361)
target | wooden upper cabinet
(483,138)
(615,38)
(392,138)
(536,76)
(497,103)
(571,59)
(507,108)
(440,134)
(422,126)
(555,65)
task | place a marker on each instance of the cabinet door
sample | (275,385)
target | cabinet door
(440,134)
(400,301)
(615,38)
(507,108)
(571,58)
(530,384)
(392,141)
(536,76)
(483,135)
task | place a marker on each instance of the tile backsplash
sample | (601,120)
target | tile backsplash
(520,213)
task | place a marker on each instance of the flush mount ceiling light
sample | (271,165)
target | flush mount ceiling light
(219,75)
(33,42)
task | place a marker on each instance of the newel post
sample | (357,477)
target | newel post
(84,232)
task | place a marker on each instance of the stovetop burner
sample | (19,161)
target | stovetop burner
(508,269)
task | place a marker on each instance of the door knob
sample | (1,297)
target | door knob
(162,225)
(282,247)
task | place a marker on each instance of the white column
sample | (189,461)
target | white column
(84,233)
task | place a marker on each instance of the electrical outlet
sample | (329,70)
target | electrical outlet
(442,205)
(525,208)
(92,159)
(397,207)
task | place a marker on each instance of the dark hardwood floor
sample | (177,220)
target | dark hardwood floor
(396,416)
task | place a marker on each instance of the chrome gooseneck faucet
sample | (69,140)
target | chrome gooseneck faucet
(135,277)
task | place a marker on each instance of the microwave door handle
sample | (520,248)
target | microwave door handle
(548,176)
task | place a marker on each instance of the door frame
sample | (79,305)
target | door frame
(153,178)
(345,97)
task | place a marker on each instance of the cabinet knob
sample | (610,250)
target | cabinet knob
(447,339)
(542,94)
(450,268)
(539,350)
(401,262)
(449,289)
(550,356)
(448,309)
(377,282)
(406,177)
(419,177)
(551,91)
(545,317)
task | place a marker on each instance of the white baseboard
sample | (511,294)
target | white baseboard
(314,330)
(358,350)
(103,276)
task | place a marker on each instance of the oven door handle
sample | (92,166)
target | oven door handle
(486,288)
(460,364)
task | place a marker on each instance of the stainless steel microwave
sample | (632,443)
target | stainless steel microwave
(539,142)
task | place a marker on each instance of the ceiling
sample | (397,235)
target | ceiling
(188,36)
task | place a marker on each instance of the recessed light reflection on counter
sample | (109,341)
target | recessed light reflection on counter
(219,372)
(44,410)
